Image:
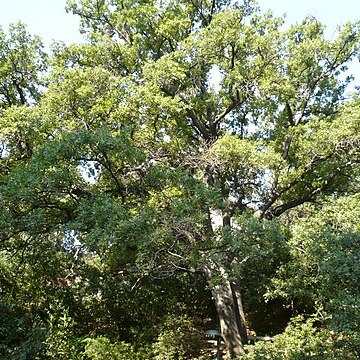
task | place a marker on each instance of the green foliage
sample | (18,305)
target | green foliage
(179,338)
(21,336)
(301,340)
(138,182)
(245,155)
(60,342)
(322,272)
(22,62)
(102,349)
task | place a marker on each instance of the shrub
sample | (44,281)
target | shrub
(301,340)
(179,339)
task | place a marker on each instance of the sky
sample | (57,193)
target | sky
(48,18)
(329,12)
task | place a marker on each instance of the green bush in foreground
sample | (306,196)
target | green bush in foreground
(302,340)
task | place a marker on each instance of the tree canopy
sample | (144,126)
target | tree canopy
(192,164)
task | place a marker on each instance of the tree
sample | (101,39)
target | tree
(180,132)
(22,66)
(323,274)
(22,60)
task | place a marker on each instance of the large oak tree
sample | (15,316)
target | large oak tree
(173,138)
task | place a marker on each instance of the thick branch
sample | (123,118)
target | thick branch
(198,124)
(310,195)
(232,106)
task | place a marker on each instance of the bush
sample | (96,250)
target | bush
(179,339)
(101,348)
(301,340)
(61,342)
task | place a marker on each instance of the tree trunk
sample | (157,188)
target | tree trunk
(239,311)
(231,315)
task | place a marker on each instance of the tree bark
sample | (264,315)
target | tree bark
(230,311)
(239,311)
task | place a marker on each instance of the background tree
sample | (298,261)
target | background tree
(22,60)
